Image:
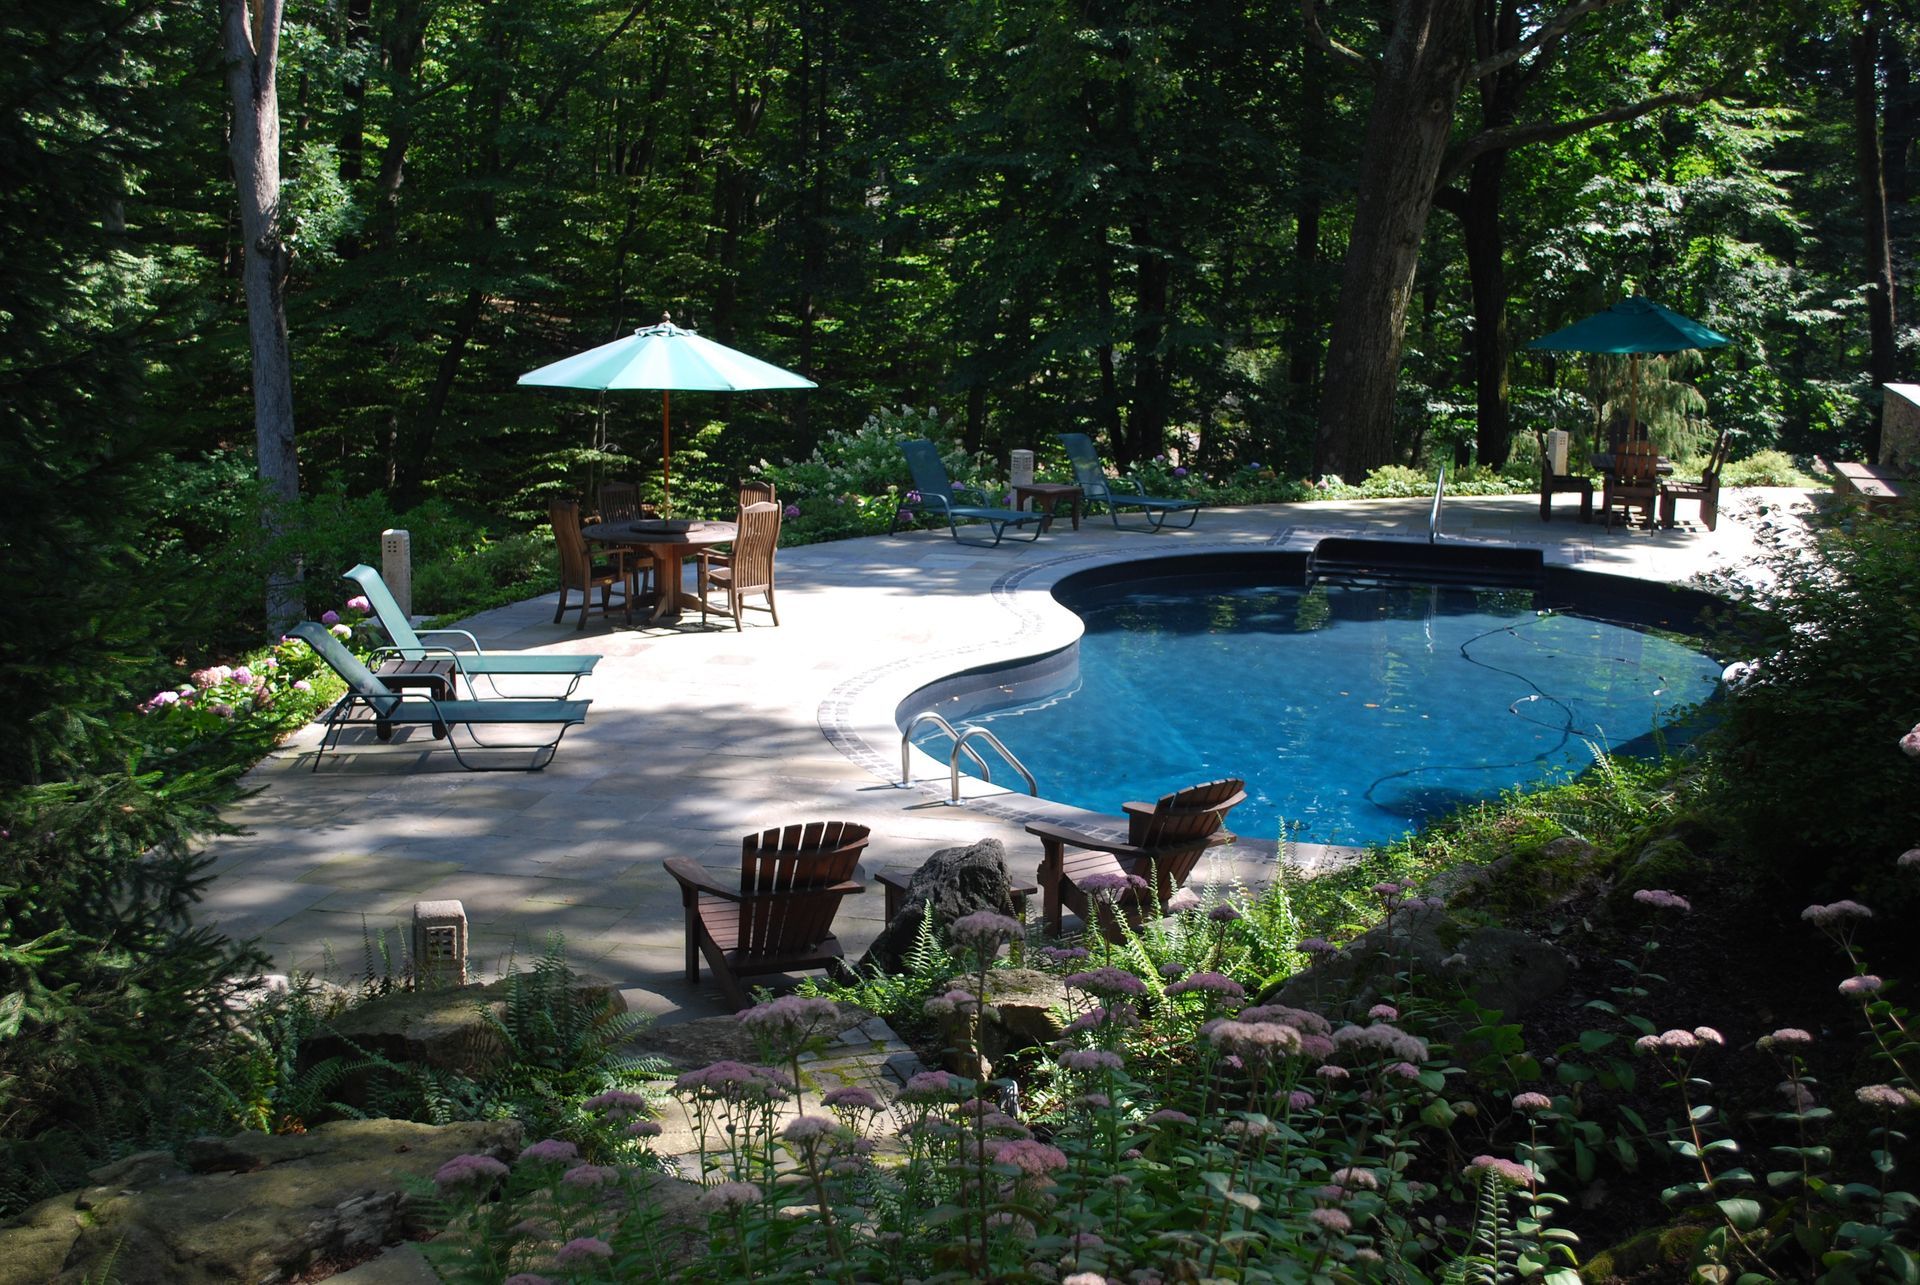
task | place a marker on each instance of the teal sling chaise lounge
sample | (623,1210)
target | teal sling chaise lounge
(939,496)
(409,644)
(392,709)
(1093,481)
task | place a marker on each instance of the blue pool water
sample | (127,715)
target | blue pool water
(1354,714)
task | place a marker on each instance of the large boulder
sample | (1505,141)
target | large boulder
(956,882)
(1025,1009)
(440,1027)
(256,1207)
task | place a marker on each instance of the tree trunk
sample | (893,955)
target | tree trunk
(1487,268)
(251,38)
(1303,307)
(1147,420)
(1882,356)
(1416,90)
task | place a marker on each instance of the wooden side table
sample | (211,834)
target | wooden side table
(1046,497)
(435,677)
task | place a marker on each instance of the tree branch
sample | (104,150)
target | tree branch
(1512,136)
(1548,32)
(1310,12)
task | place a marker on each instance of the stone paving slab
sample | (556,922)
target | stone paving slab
(699,735)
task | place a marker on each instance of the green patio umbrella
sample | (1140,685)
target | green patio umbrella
(1633,326)
(664,358)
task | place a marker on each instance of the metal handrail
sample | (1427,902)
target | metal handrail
(960,745)
(1439,493)
(906,746)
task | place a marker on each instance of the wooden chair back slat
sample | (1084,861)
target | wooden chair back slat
(757,493)
(575,563)
(1181,826)
(1636,463)
(785,877)
(753,548)
(619,502)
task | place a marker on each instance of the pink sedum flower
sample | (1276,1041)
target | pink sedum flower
(1531,1102)
(1333,1221)
(582,1249)
(1661,899)
(1910,743)
(1861,987)
(1508,1171)
(465,1169)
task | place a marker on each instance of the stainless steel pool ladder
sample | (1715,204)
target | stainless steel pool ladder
(960,746)
(1439,493)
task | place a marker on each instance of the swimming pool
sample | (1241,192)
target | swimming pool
(1354,714)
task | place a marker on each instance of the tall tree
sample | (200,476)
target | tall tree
(251,40)
(1429,56)
(1863,47)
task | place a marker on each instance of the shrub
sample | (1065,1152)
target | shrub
(1762,468)
(1809,740)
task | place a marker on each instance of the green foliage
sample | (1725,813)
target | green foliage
(1809,755)
(897,997)
(1762,468)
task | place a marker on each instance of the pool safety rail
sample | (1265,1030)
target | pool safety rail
(960,737)
(1349,560)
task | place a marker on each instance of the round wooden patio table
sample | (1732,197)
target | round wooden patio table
(668,542)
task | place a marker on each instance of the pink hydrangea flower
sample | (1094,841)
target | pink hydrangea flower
(1508,1171)
(330,618)
(302,685)
(730,1196)
(341,632)
(465,1169)
(360,604)
(582,1248)
(983,930)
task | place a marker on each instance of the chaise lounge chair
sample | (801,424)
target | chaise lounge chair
(779,917)
(941,497)
(1164,843)
(1096,485)
(392,709)
(408,645)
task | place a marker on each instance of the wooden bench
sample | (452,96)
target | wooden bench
(1874,486)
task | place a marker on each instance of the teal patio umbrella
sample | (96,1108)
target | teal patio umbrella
(1633,326)
(665,358)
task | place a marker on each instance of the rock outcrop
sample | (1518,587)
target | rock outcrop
(956,882)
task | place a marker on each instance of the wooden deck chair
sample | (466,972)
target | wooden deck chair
(1120,493)
(1633,482)
(779,917)
(392,709)
(1163,845)
(579,571)
(748,569)
(940,497)
(1706,490)
(471,662)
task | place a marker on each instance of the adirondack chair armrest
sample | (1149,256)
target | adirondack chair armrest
(1071,838)
(458,633)
(695,878)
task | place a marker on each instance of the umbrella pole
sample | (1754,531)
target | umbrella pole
(1633,397)
(666,450)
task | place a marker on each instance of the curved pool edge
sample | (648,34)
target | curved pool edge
(1024,622)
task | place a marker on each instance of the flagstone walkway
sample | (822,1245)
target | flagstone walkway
(698,736)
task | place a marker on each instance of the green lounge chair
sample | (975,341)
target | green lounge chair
(938,495)
(469,665)
(391,709)
(1094,482)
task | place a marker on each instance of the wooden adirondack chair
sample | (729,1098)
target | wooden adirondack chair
(748,569)
(779,918)
(1163,845)
(1633,483)
(1706,490)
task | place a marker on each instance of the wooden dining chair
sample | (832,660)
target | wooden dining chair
(579,571)
(749,568)
(1633,482)
(778,916)
(619,502)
